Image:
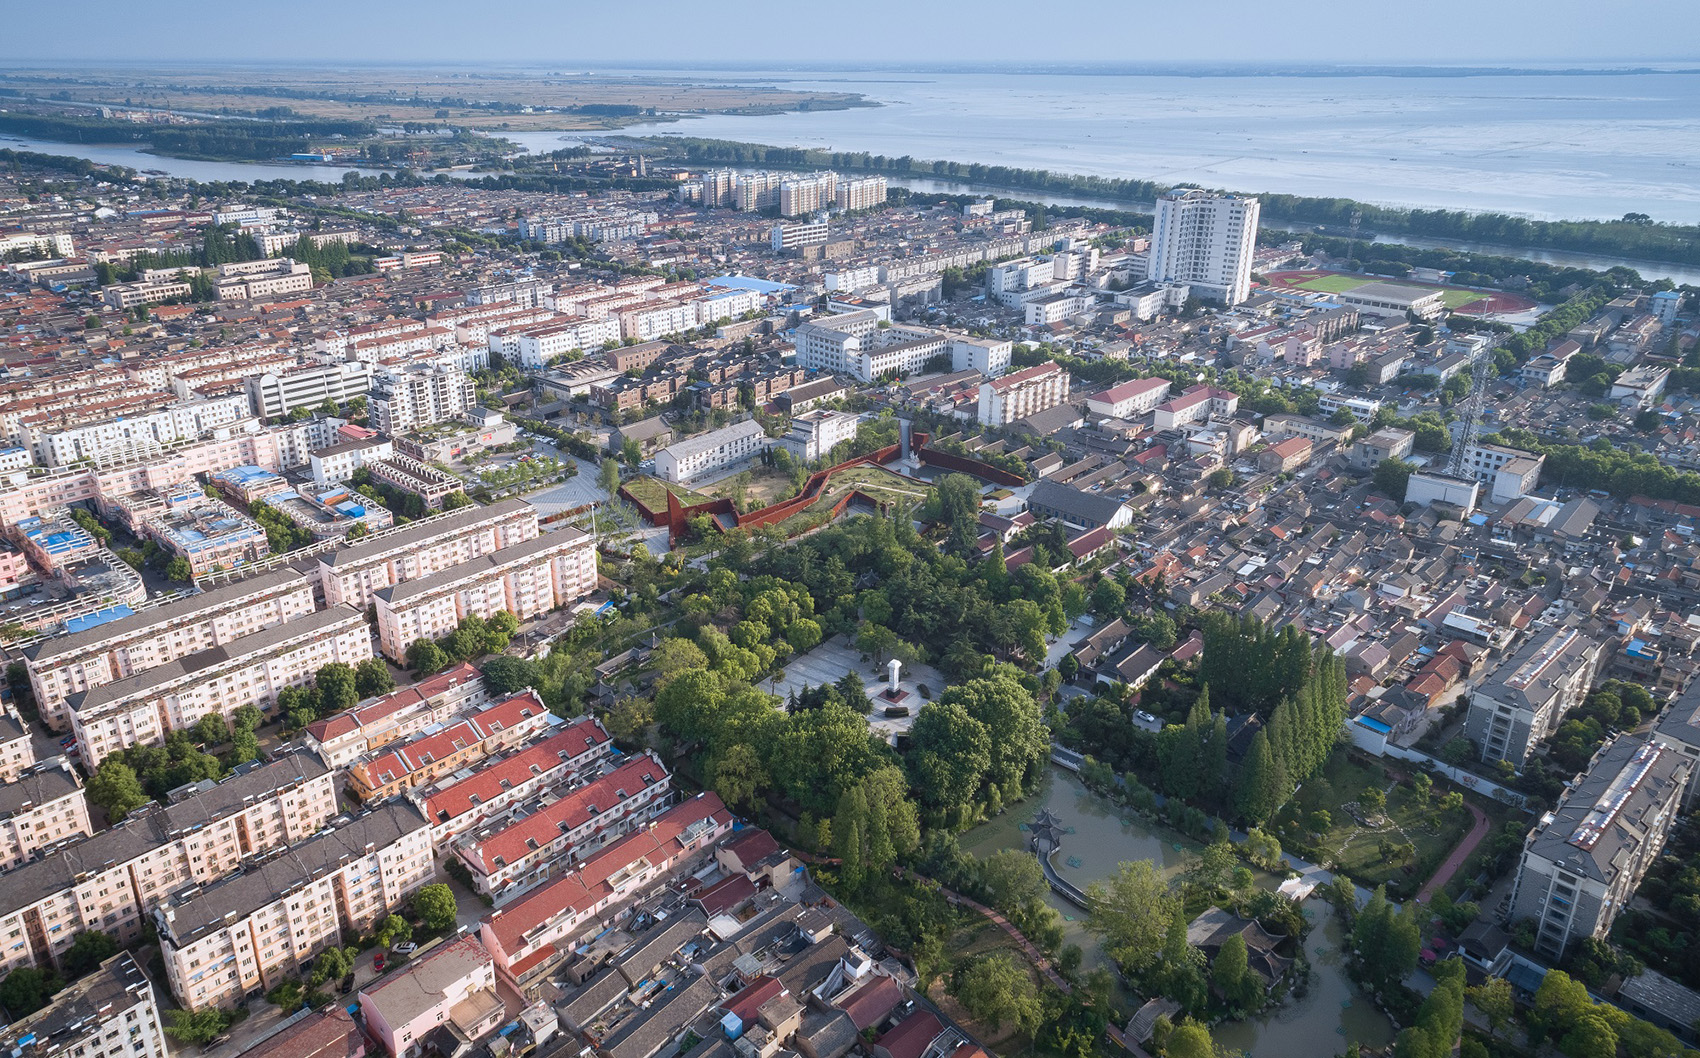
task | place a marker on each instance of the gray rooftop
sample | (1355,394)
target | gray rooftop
(714,439)
(173,613)
(1084,507)
(405,996)
(42,785)
(396,593)
(81,1011)
(148,828)
(319,622)
(1603,819)
(1531,678)
(419,532)
(202,910)
(1681,722)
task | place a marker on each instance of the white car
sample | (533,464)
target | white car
(406,947)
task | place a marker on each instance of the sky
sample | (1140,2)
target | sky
(1358,32)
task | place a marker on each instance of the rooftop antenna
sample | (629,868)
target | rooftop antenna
(1352,244)
(1471,415)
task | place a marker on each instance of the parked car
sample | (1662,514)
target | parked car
(378,962)
(405,947)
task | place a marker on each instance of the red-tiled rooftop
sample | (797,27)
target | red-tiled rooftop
(360,716)
(487,784)
(575,809)
(411,756)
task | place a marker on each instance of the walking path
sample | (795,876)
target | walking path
(1459,855)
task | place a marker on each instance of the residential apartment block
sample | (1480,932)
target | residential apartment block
(446,749)
(1022,393)
(142,709)
(526,579)
(275,394)
(1582,861)
(403,400)
(715,450)
(62,439)
(17,747)
(109,881)
(1199,404)
(515,853)
(530,936)
(340,739)
(81,661)
(245,934)
(44,806)
(1527,696)
(109,1013)
(460,802)
(453,990)
(352,574)
(1126,400)
(1205,240)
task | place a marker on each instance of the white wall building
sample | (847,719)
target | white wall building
(695,456)
(1205,240)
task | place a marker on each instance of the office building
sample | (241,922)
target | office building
(815,433)
(109,1013)
(1582,861)
(244,935)
(705,453)
(274,395)
(1527,696)
(1206,241)
(281,275)
(526,580)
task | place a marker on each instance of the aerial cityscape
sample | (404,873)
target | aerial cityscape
(557,531)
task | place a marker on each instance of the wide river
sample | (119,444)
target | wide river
(1332,1014)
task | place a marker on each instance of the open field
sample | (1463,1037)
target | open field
(765,487)
(1451,297)
(876,482)
(652,493)
(488,101)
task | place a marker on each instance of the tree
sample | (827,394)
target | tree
(333,964)
(803,635)
(949,755)
(115,787)
(27,989)
(89,948)
(994,989)
(178,570)
(738,774)
(211,729)
(336,687)
(1260,788)
(372,678)
(958,500)
(1231,973)
(425,657)
(1189,1039)
(435,906)
(197,1026)
(504,675)
(1387,941)
(608,477)
(392,929)
(1108,596)
(673,656)
(1132,910)
(1493,998)
(1392,477)
(1591,1037)
(1013,879)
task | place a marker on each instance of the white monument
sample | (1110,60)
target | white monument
(891,668)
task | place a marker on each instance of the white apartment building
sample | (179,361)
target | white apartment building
(785,237)
(107,882)
(815,433)
(989,356)
(695,456)
(42,807)
(285,276)
(55,444)
(336,344)
(1125,400)
(802,195)
(519,293)
(404,399)
(17,746)
(105,653)
(1058,307)
(526,579)
(275,394)
(109,1013)
(350,575)
(242,936)
(142,709)
(1022,393)
(1527,696)
(52,244)
(651,320)
(535,345)
(1198,404)
(752,191)
(863,192)
(1205,240)
(1511,472)
(126,296)
(337,463)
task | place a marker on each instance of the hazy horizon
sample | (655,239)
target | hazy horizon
(1445,33)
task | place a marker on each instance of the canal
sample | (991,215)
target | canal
(1331,1014)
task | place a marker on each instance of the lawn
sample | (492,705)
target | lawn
(1334,284)
(765,486)
(1356,849)
(876,482)
(652,493)
(1452,297)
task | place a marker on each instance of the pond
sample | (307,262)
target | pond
(1331,1015)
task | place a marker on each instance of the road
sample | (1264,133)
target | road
(1459,855)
